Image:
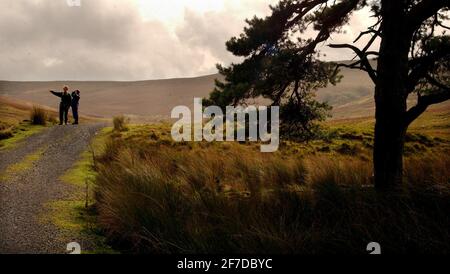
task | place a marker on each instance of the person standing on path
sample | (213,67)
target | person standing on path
(75,103)
(64,105)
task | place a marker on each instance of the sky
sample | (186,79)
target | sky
(127,40)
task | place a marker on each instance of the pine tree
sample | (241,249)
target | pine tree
(413,58)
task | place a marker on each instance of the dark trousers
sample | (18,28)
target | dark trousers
(75,113)
(63,114)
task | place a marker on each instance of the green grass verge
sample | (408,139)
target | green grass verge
(19,133)
(347,137)
(76,215)
(23,165)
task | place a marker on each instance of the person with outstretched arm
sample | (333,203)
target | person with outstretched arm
(75,103)
(64,105)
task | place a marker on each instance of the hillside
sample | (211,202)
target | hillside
(353,97)
(154,98)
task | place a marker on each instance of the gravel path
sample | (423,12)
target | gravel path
(23,195)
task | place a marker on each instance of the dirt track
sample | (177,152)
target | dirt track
(24,193)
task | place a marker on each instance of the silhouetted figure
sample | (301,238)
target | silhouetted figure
(64,105)
(75,102)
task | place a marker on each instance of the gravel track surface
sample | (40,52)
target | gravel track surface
(23,195)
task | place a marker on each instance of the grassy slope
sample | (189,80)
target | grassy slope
(434,122)
(429,133)
(13,125)
(193,197)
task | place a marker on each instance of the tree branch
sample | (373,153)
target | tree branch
(363,58)
(424,10)
(442,25)
(371,30)
(437,84)
(423,102)
(354,65)
(421,66)
(343,9)
(303,9)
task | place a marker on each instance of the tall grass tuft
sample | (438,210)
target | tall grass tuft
(120,123)
(38,116)
(168,198)
(6,133)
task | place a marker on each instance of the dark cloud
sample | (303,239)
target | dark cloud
(102,39)
(109,40)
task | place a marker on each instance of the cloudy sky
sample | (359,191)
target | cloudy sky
(127,39)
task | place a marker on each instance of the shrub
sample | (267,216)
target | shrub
(38,116)
(349,149)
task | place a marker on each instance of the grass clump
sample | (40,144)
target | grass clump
(38,116)
(6,134)
(120,123)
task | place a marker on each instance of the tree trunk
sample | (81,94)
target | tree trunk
(390,96)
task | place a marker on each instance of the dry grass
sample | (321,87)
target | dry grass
(15,124)
(38,116)
(120,123)
(160,197)
(6,133)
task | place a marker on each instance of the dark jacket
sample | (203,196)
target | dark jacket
(75,99)
(66,99)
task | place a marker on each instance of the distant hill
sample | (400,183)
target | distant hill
(14,110)
(154,98)
(353,97)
